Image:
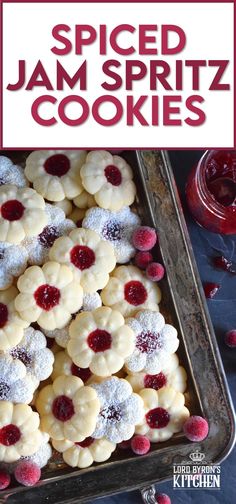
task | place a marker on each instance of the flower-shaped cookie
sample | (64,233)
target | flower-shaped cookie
(165,414)
(40,457)
(11,174)
(38,246)
(63,365)
(33,353)
(129,291)
(100,340)
(86,452)
(19,432)
(56,173)
(114,227)
(68,409)
(11,324)
(84,200)
(90,258)
(48,295)
(172,375)
(154,342)
(109,179)
(13,261)
(15,386)
(120,410)
(22,213)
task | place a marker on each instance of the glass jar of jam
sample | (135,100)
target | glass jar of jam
(211,191)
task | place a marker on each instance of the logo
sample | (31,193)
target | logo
(196,473)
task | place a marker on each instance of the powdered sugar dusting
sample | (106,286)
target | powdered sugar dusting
(11,174)
(60,335)
(91,301)
(13,262)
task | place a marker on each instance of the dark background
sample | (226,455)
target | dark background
(223,314)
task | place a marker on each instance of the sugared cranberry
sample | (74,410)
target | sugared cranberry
(82,257)
(48,236)
(99,340)
(196,428)
(157,418)
(162,498)
(86,442)
(210,289)
(3,315)
(47,296)
(223,263)
(230,338)
(147,342)
(112,231)
(27,473)
(63,408)
(57,165)
(135,293)
(83,374)
(9,435)
(12,210)
(5,479)
(155,382)
(113,175)
(142,259)
(140,445)
(155,271)
(144,238)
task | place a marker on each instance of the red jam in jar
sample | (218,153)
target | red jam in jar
(211,191)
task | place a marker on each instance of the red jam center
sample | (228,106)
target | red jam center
(155,381)
(9,435)
(157,418)
(111,413)
(47,296)
(12,210)
(135,293)
(63,408)
(148,342)
(86,442)
(57,165)
(221,177)
(82,257)
(99,340)
(113,175)
(112,231)
(22,355)
(83,374)
(48,236)
(3,315)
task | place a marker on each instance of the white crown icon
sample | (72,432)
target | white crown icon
(197,456)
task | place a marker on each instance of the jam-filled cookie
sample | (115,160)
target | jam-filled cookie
(100,340)
(165,414)
(15,385)
(11,173)
(90,258)
(13,262)
(129,291)
(116,228)
(56,173)
(22,213)
(19,431)
(64,365)
(155,341)
(64,205)
(68,409)
(48,295)
(109,179)
(86,452)
(84,200)
(11,324)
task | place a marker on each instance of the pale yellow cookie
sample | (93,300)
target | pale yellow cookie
(22,213)
(56,173)
(77,216)
(85,453)
(48,295)
(109,179)
(129,291)
(11,324)
(63,365)
(84,200)
(19,432)
(68,409)
(165,413)
(90,258)
(65,205)
(100,340)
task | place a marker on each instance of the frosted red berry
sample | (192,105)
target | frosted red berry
(140,445)
(144,238)
(230,338)
(196,428)
(155,271)
(142,259)
(5,479)
(210,289)
(162,498)
(27,473)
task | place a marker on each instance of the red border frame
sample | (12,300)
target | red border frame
(114,1)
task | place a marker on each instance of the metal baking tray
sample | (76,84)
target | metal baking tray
(184,306)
